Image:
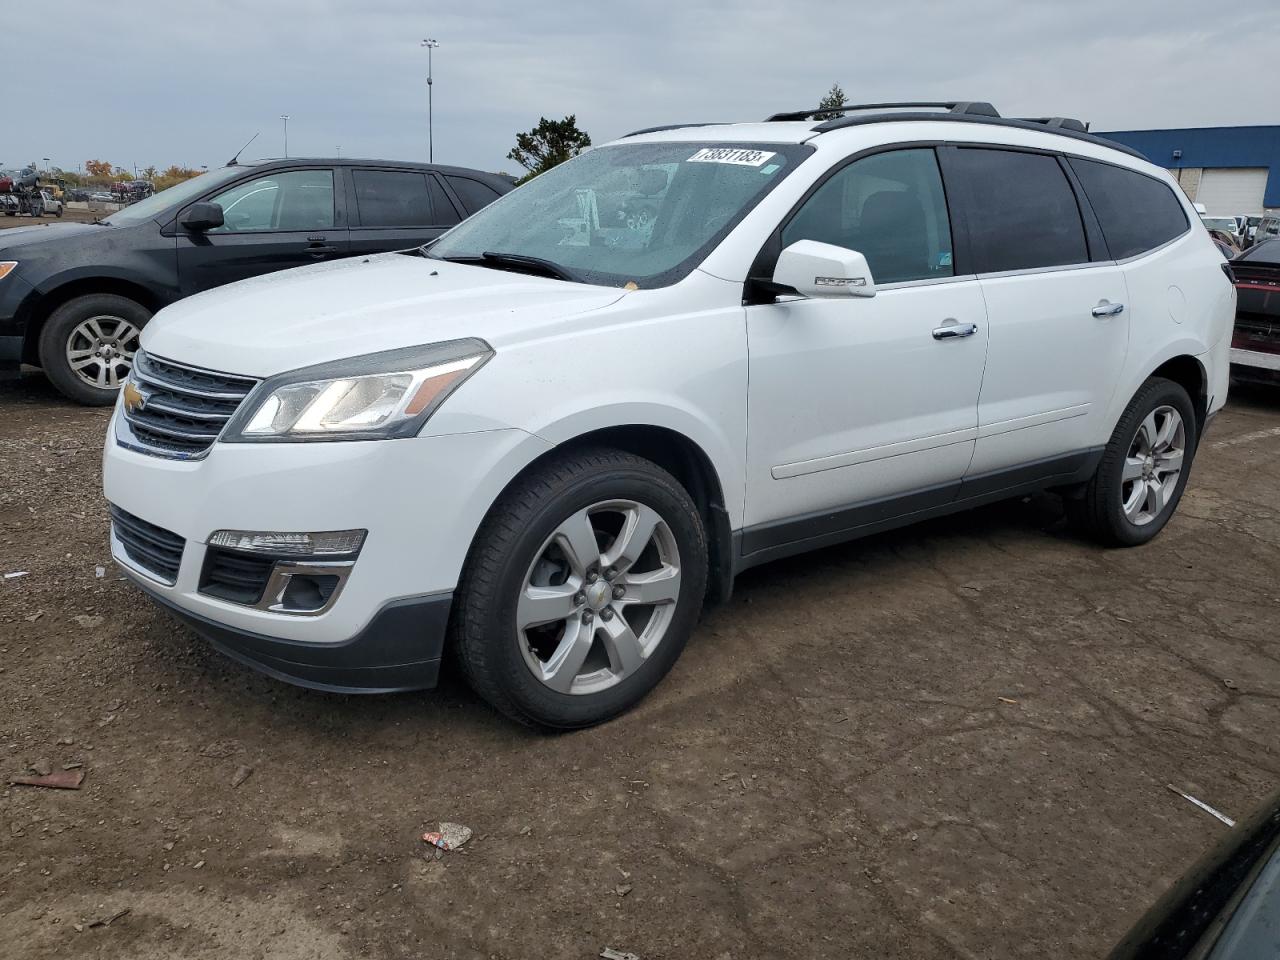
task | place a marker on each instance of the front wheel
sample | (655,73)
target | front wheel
(581,590)
(87,346)
(1144,468)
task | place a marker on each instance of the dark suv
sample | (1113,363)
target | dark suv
(74,297)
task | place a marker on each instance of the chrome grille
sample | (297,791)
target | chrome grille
(183,408)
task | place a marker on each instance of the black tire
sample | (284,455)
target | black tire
(58,213)
(57,331)
(484,638)
(1099,513)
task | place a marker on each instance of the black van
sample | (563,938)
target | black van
(75,296)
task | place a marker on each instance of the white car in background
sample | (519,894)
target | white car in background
(538,445)
(50,204)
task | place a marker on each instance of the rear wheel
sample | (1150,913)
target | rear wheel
(87,346)
(1144,469)
(581,591)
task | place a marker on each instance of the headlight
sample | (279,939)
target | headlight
(379,396)
(6,267)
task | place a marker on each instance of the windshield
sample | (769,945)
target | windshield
(176,195)
(643,213)
(1220,223)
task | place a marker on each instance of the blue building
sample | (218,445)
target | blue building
(1233,171)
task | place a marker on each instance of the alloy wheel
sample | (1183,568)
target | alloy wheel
(1153,465)
(599,597)
(100,351)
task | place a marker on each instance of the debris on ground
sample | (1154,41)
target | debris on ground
(450,836)
(608,953)
(1202,805)
(108,921)
(60,780)
(88,622)
(16,574)
(34,617)
(41,767)
(1230,684)
(623,889)
(242,774)
(1006,700)
(99,572)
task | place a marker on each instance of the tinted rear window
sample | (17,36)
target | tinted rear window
(446,213)
(392,198)
(1266,252)
(472,193)
(1022,212)
(1136,212)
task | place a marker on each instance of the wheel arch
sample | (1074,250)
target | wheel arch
(685,460)
(1189,373)
(41,306)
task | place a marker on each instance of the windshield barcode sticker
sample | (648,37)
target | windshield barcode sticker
(743,158)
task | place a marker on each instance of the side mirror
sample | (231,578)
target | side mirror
(822,270)
(202,216)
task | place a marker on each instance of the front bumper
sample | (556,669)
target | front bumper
(421,501)
(399,649)
(13,291)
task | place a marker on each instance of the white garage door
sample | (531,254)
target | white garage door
(1228,193)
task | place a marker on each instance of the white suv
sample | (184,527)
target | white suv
(538,445)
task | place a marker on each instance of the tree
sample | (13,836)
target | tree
(833,99)
(97,168)
(150,173)
(549,143)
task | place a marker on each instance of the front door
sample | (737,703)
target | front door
(273,222)
(862,410)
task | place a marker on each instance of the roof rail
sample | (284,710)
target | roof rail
(973,107)
(671,126)
(1059,123)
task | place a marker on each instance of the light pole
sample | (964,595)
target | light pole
(431,147)
(285,118)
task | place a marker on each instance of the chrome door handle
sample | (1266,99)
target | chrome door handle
(1105,309)
(950,330)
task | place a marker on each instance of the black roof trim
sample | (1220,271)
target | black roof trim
(1063,131)
(671,126)
(442,168)
(1065,123)
(979,108)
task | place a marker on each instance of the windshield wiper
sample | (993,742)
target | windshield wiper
(519,261)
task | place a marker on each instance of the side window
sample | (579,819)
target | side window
(1136,212)
(391,198)
(472,193)
(295,200)
(1022,212)
(446,214)
(890,207)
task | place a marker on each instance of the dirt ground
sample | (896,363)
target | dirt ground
(950,741)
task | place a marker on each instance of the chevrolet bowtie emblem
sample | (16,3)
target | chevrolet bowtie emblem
(134,399)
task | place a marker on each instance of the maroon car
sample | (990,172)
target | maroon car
(1255,346)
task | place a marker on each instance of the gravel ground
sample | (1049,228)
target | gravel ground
(949,741)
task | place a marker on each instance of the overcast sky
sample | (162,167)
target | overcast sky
(161,83)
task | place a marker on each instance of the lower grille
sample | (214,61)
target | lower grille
(234,575)
(178,411)
(154,549)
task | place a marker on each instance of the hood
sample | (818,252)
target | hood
(296,318)
(19,237)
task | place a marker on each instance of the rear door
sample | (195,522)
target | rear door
(396,209)
(1057,327)
(282,219)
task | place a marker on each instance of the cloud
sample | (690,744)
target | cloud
(161,83)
